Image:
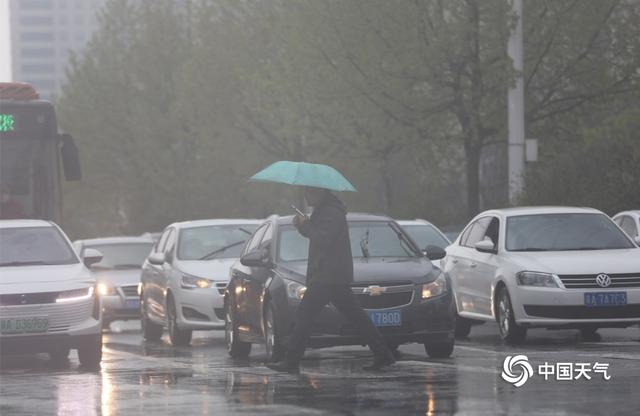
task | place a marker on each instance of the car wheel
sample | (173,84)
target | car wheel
(510,332)
(150,330)
(439,349)
(463,327)
(178,337)
(590,334)
(235,347)
(90,352)
(273,342)
(59,354)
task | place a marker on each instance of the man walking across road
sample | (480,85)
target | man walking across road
(329,278)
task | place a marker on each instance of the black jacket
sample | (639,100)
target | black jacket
(330,260)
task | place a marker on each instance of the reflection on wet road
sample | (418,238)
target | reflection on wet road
(155,378)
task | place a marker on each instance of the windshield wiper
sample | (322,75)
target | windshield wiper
(221,249)
(244,230)
(364,244)
(403,239)
(23,263)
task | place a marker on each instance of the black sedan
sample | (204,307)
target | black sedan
(407,297)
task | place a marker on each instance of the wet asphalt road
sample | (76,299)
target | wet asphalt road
(157,379)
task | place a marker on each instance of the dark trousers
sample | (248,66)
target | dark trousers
(341,296)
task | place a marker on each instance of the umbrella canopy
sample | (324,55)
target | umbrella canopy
(304,174)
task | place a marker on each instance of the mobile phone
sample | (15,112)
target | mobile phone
(293,207)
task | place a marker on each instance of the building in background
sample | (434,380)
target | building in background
(43,33)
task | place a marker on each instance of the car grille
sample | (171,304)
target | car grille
(61,316)
(588,281)
(583,312)
(130,291)
(28,298)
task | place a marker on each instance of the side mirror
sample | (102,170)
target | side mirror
(91,256)
(434,252)
(486,246)
(157,258)
(70,159)
(256,258)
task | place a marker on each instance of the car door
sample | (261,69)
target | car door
(483,270)
(256,285)
(241,276)
(153,294)
(468,290)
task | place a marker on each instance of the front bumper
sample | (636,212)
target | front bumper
(69,325)
(423,321)
(559,307)
(199,309)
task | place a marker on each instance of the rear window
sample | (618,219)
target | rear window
(26,246)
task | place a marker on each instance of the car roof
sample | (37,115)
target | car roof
(630,212)
(226,221)
(351,216)
(25,223)
(507,212)
(115,240)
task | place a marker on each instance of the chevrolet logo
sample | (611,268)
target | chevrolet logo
(374,290)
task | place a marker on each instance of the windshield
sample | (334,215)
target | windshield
(560,232)
(213,241)
(121,256)
(426,235)
(368,239)
(28,165)
(26,246)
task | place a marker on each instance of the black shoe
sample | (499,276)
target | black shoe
(380,363)
(284,367)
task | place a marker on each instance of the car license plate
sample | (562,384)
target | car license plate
(386,318)
(24,325)
(605,299)
(132,303)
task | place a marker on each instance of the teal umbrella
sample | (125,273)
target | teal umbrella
(304,174)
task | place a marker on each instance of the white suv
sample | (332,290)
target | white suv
(48,301)
(184,278)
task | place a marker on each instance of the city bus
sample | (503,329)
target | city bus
(33,156)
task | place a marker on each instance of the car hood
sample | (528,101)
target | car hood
(415,270)
(217,269)
(34,279)
(580,262)
(127,277)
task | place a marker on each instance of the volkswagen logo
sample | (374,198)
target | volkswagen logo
(374,290)
(603,280)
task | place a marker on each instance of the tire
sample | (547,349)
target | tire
(273,342)
(90,352)
(59,354)
(510,331)
(440,349)
(590,334)
(235,347)
(463,327)
(150,330)
(179,337)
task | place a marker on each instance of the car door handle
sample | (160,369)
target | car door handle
(473,265)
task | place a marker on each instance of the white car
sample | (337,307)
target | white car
(425,234)
(118,274)
(544,267)
(48,301)
(184,278)
(629,221)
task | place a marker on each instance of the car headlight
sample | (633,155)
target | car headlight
(295,290)
(435,288)
(105,289)
(192,282)
(75,295)
(537,279)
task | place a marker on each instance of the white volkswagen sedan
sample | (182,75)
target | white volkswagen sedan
(48,301)
(544,267)
(185,275)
